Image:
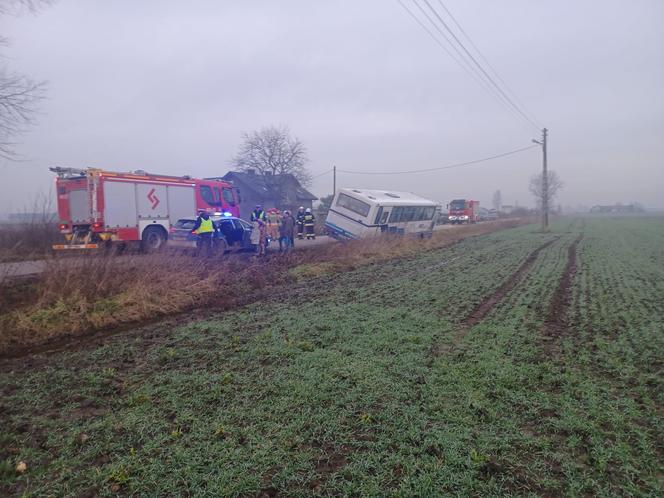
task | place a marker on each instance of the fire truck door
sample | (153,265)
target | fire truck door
(152,201)
(181,203)
(79,208)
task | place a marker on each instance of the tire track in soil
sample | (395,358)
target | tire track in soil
(556,325)
(482,310)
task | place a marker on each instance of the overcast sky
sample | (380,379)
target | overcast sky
(170,86)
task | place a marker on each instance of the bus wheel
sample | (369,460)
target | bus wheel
(153,239)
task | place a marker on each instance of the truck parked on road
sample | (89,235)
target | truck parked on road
(99,208)
(356,213)
(464,211)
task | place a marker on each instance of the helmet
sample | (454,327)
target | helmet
(308,210)
(258,206)
(301,208)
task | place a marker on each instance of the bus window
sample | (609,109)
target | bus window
(228,196)
(379,215)
(383,219)
(395,217)
(353,204)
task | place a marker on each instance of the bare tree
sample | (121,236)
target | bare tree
(536,187)
(18,98)
(18,94)
(497,200)
(272,151)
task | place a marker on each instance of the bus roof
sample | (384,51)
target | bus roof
(389,197)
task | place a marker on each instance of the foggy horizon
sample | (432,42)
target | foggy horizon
(170,88)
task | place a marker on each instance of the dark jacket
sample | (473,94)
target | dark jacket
(287,226)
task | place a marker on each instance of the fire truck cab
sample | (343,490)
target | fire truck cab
(464,211)
(97,207)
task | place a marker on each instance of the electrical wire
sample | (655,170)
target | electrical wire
(438,168)
(460,60)
(321,174)
(468,62)
(491,68)
(478,65)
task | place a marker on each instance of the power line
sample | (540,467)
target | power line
(460,60)
(479,66)
(491,68)
(450,166)
(321,174)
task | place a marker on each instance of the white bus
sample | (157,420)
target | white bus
(357,213)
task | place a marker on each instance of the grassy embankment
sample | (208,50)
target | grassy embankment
(75,296)
(375,383)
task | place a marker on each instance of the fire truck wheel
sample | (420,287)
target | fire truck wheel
(153,239)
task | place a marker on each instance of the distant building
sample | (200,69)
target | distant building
(506,208)
(280,191)
(617,208)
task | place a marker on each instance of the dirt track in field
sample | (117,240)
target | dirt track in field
(483,309)
(556,325)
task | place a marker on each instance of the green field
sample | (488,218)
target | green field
(514,363)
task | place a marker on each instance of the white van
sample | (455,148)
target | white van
(357,213)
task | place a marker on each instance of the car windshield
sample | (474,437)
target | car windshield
(458,204)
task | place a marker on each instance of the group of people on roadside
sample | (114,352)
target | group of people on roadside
(271,225)
(282,226)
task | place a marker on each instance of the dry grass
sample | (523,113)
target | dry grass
(33,236)
(75,296)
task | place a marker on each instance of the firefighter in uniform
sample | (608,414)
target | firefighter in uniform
(204,230)
(299,219)
(309,222)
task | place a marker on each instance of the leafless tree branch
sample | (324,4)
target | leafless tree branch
(536,187)
(19,94)
(273,152)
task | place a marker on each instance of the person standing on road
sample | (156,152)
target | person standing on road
(300,222)
(204,230)
(262,237)
(273,219)
(309,224)
(286,232)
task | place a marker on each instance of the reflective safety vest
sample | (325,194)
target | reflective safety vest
(258,216)
(309,219)
(206,226)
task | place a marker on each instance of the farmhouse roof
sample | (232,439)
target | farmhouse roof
(260,184)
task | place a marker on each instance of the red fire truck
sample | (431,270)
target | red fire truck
(464,211)
(98,207)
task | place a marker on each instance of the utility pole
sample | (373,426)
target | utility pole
(334,180)
(545,182)
(545,185)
